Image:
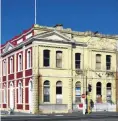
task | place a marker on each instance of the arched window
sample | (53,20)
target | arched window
(99,92)
(78,92)
(108,92)
(5,94)
(4,67)
(19,92)
(59,59)
(59,92)
(98,61)
(28,59)
(11,65)
(20,62)
(46,58)
(46,91)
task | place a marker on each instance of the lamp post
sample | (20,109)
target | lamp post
(86,72)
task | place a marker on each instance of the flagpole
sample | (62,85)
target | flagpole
(35,11)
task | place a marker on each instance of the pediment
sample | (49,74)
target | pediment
(54,36)
(8,47)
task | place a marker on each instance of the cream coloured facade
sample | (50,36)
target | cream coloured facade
(64,63)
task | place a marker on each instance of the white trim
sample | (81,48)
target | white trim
(29,35)
(19,41)
(29,57)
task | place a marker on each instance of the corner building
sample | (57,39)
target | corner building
(47,69)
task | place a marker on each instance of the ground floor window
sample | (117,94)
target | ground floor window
(46,91)
(108,92)
(78,92)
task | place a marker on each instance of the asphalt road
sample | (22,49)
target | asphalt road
(60,118)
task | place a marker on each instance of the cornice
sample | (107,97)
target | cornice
(77,33)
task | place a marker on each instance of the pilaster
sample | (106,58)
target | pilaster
(35,96)
(24,57)
(70,95)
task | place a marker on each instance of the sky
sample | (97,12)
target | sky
(79,15)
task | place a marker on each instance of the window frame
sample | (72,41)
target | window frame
(78,60)
(20,93)
(46,87)
(58,60)
(108,63)
(46,58)
(98,62)
(20,68)
(77,96)
(11,65)
(28,58)
(5,94)
(4,67)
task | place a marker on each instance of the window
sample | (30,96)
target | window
(5,94)
(28,59)
(19,92)
(99,92)
(59,92)
(46,60)
(108,92)
(78,92)
(19,62)
(11,65)
(108,62)
(59,59)
(77,60)
(46,91)
(4,67)
(98,61)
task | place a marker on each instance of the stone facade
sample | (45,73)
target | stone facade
(69,42)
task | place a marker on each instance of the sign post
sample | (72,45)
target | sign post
(84,104)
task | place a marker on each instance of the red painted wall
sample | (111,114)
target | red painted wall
(11,77)
(26,107)
(26,95)
(28,72)
(19,106)
(4,105)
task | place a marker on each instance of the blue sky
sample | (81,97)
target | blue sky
(80,15)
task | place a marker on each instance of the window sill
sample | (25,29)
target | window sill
(19,71)
(28,68)
(20,103)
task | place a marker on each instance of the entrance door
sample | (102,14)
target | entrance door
(11,96)
(30,96)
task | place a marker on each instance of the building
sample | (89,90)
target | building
(47,69)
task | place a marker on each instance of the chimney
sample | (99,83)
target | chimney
(58,26)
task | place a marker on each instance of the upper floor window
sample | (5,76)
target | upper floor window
(77,60)
(59,59)
(19,92)
(28,59)
(46,56)
(11,65)
(98,61)
(4,67)
(108,62)
(19,62)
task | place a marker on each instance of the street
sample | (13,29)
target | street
(61,118)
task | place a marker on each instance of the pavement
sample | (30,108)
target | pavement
(18,116)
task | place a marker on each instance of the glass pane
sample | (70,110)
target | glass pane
(98,58)
(46,91)
(46,98)
(59,55)
(77,56)
(59,63)
(77,99)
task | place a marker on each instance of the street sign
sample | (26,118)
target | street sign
(83,95)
